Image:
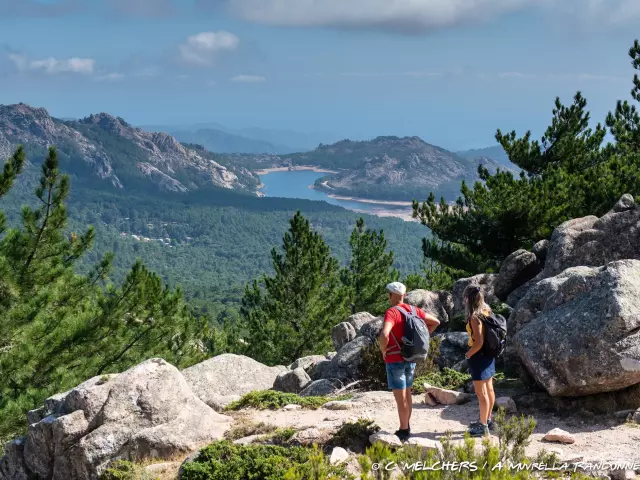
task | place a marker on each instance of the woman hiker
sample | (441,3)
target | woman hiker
(481,366)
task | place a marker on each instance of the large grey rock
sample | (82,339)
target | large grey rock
(485,281)
(453,346)
(319,388)
(372,329)
(292,381)
(517,269)
(578,333)
(342,334)
(12,466)
(593,241)
(347,361)
(540,250)
(307,363)
(439,304)
(321,370)
(359,320)
(148,411)
(39,447)
(228,376)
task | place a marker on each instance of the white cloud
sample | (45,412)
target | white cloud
(248,79)
(53,66)
(202,49)
(419,16)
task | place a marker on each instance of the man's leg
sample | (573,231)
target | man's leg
(403,411)
(409,372)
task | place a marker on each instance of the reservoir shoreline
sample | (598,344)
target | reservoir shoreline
(295,183)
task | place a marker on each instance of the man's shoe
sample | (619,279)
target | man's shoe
(478,430)
(403,435)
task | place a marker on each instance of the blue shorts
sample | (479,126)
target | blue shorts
(481,367)
(400,375)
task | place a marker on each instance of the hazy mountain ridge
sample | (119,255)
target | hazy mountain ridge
(107,148)
(387,167)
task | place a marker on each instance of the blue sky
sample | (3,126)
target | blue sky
(450,71)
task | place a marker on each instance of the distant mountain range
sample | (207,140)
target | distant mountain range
(220,139)
(104,149)
(386,168)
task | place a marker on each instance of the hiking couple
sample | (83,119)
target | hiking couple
(402,320)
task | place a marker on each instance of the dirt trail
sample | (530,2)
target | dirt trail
(607,440)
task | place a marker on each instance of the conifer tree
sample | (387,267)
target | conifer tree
(58,328)
(291,313)
(370,269)
(567,174)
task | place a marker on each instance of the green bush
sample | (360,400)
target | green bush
(225,461)
(354,436)
(246,429)
(123,470)
(280,436)
(445,378)
(273,400)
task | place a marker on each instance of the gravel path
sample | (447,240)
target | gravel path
(604,441)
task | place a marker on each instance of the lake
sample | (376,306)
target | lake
(295,184)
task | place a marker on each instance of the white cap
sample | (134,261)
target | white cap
(397,287)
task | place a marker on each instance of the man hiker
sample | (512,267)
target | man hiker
(399,371)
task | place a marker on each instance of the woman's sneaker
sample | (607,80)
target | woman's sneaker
(403,435)
(478,430)
(490,425)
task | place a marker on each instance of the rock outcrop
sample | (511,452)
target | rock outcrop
(439,304)
(148,411)
(223,379)
(486,282)
(453,346)
(578,333)
(516,270)
(292,381)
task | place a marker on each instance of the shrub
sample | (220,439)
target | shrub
(501,308)
(280,436)
(224,461)
(246,429)
(445,378)
(123,470)
(373,372)
(273,400)
(354,436)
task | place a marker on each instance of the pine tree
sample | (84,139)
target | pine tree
(370,269)
(291,314)
(58,328)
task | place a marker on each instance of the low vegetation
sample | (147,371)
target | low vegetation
(225,461)
(242,429)
(273,400)
(354,436)
(445,378)
(489,461)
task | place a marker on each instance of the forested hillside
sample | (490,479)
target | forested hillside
(211,243)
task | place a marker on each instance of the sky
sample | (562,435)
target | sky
(449,71)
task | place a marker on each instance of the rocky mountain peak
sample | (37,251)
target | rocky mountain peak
(20,117)
(107,122)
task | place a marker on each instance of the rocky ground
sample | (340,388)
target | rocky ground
(600,439)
